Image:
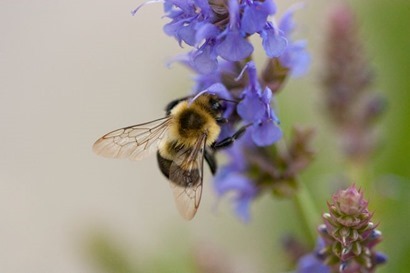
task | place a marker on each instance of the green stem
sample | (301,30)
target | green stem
(308,214)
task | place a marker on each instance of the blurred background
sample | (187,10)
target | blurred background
(71,71)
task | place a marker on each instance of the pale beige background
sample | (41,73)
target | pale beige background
(69,72)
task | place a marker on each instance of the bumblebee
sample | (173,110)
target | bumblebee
(186,136)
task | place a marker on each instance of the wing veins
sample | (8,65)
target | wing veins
(128,142)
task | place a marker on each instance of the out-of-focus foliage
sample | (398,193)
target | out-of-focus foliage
(385,30)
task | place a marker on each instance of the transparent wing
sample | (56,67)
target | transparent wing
(185,175)
(133,142)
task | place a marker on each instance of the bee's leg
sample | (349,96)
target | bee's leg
(222,120)
(164,165)
(210,159)
(226,142)
(174,103)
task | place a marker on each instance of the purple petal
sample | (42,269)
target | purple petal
(251,108)
(204,60)
(234,181)
(234,47)
(296,58)
(253,19)
(233,13)
(380,258)
(204,7)
(242,206)
(184,5)
(286,23)
(267,96)
(187,34)
(311,264)
(266,133)
(220,90)
(172,29)
(269,7)
(253,77)
(242,187)
(273,43)
(206,31)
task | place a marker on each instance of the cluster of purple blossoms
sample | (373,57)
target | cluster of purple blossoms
(219,32)
(220,28)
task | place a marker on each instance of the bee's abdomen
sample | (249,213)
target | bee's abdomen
(164,164)
(178,174)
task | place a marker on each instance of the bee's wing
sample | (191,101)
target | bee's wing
(185,175)
(133,142)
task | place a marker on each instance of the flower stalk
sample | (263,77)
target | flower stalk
(308,214)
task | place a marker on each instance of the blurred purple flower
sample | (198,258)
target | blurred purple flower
(232,177)
(295,56)
(243,188)
(311,263)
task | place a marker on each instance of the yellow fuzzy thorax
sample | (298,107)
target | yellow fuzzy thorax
(188,124)
(209,126)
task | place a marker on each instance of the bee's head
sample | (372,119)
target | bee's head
(212,103)
(215,104)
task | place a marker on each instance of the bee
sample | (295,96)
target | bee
(183,139)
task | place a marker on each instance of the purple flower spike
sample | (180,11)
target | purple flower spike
(243,189)
(219,33)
